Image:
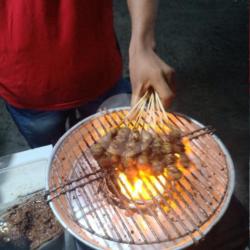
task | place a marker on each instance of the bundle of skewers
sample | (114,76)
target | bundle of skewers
(145,142)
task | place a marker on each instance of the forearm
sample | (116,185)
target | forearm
(143,14)
(147,69)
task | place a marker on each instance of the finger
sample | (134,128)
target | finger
(135,96)
(138,92)
(165,93)
(170,77)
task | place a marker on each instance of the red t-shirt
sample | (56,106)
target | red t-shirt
(56,54)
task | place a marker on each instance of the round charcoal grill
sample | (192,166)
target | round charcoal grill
(78,195)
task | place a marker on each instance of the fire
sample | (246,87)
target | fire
(146,185)
(143,188)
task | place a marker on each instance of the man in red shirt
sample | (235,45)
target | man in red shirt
(59,56)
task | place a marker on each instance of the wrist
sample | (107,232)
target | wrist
(138,45)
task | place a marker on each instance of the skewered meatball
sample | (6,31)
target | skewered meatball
(132,151)
(128,162)
(135,135)
(115,148)
(143,159)
(146,136)
(123,133)
(106,140)
(113,131)
(178,148)
(145,146)
(166,148)
(157,167)
(115,159)
(97,150)
(174,135)
(105,162)
(169,159)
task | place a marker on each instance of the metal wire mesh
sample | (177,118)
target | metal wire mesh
(190,203)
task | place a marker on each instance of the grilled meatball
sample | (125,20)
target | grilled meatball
(174,135)
(123,134)
(166,148)
(105,162)
(143,159)
(128,162)
(169,159)
(133,147)
(115,159)
(115,148)
(146,136)
(157,167)
(97,150)
(113,131)
(135,135)
(132,151)
(106,140)
(178,147)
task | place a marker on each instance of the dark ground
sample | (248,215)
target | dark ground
(206,41)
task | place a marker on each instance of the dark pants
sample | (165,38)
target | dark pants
(41,128)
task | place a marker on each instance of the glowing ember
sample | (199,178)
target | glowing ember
(143,188)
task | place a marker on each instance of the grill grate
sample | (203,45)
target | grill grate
(190,202)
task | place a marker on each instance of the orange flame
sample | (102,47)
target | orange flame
(148,186)
(143,188)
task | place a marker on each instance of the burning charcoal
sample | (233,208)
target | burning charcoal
(97,150)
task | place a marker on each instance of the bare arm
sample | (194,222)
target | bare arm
(147,69)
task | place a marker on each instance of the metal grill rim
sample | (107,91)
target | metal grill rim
(225,198)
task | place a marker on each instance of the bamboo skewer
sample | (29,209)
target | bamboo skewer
(148,107)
